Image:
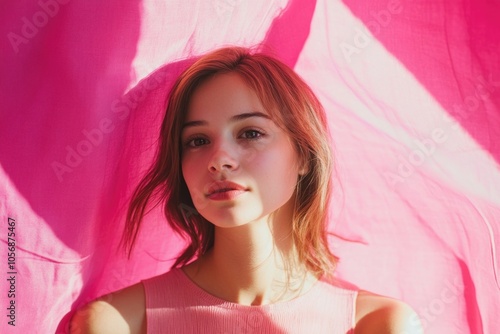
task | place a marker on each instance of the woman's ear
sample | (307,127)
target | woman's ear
(304,168)
(303,160)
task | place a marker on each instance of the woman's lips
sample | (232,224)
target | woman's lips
(225,190)
(225,195)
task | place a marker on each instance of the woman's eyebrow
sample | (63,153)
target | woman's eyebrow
(233,119)
(243,116)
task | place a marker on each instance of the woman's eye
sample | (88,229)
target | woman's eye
(195,142)
(252,134)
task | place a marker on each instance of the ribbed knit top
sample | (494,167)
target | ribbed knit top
(175,304)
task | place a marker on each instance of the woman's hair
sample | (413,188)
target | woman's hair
(292,106)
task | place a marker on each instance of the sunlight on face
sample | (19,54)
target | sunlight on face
(239,166)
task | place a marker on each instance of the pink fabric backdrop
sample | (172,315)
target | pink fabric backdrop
(412,91)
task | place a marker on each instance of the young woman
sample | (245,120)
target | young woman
(243,170)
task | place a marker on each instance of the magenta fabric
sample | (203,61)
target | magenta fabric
(412,92)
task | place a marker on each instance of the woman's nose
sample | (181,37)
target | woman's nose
(223,159)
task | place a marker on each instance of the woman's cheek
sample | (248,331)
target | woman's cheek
(192,176)
(249,155)
(188,171)
(255,150)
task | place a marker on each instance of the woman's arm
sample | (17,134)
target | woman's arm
(121,312)
(383,315)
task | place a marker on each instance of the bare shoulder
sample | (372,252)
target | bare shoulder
(123,311)
(384,315)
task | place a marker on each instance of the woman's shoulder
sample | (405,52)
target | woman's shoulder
(379,314)
(123,311)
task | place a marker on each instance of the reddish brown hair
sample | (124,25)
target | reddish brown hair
(293,107)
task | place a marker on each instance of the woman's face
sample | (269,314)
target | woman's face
(239,166)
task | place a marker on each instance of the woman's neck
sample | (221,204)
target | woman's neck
(253,264)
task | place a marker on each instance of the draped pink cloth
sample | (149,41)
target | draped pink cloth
(412,92)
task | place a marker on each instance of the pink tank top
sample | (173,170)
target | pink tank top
(175,304)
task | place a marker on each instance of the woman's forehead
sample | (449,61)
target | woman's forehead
(223,95)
